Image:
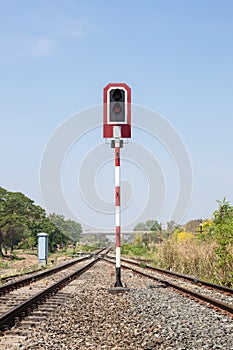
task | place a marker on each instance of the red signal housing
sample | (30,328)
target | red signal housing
(117,111)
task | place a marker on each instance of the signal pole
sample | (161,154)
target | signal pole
(118,213)
(117,126)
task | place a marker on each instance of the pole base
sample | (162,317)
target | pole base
(115,290)
(118,286)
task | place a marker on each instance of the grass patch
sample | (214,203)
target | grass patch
(4,265)
(144,265)
(133,249)
(68,252)
(140,251)
(62,252)
(85,248)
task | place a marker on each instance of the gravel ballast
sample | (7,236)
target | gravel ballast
(147,317)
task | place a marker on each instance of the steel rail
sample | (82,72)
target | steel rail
(5,278)
(27,280)
(175,274)
(8,318)
(104,251)
(213,302)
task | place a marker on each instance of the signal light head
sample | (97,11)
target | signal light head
(117,108)
(117,95)
(117,105)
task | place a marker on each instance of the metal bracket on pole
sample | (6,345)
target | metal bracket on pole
(113,143)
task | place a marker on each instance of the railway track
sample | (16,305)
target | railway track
(20,281)
(18,299)
(213,295)
(89,317)
(181,276)
(84,315)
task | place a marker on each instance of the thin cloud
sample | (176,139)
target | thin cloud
(24,47)
(21,46)
(43,46)
(79,29)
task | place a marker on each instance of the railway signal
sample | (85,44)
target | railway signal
(117,111)
(117,105)
(117,126)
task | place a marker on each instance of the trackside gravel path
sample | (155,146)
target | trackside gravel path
(147,317)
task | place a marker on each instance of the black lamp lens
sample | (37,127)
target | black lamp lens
(117,95)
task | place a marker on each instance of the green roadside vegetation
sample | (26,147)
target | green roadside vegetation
(203,249)
(21,262)
(138,250)
(21,220)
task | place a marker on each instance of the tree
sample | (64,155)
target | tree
(222,227)
(55,236)
(222,231)
(206,225)
(156,226)
(149,225)
(171,227)
(192,226)
(140,227)
(3,193)
(152,231)
(21,220)
(68,227)
(18,212)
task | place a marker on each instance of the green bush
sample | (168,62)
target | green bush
(134,249)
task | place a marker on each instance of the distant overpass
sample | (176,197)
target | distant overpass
(112,232)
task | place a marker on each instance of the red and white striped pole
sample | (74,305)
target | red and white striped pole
(117,126)
(118,213)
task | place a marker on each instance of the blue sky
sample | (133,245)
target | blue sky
(56,57)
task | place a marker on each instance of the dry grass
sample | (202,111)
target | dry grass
(196,258)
